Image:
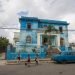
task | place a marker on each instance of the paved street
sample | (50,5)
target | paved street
(42,69)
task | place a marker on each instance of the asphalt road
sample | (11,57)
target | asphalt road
(42,69)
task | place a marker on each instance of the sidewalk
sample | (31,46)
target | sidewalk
(2,62)
(14,62)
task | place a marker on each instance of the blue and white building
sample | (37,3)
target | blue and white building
(33,39)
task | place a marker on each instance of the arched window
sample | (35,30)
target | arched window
(28,39)
(61,41)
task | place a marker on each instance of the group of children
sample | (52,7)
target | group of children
(29,60)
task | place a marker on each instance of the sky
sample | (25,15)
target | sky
(10,11)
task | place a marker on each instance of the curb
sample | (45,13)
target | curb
(23,62)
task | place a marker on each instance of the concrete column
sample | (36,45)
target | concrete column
(58,40)
(38,40)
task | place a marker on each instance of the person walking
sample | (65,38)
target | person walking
(28,61)
(36,60)
(19,58)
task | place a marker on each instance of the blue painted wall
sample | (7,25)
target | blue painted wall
(26,48)
(39,24)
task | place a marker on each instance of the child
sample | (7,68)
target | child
(18,57)
(37,61)
(28,61)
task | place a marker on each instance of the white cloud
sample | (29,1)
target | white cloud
(50,9)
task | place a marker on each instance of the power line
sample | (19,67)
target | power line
(9,28)
(32,29)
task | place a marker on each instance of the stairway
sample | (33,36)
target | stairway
(53,51)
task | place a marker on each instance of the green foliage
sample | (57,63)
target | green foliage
(50,28)
(3,43)
(34,50)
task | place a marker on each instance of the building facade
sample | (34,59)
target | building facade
(37,36)
(33,36)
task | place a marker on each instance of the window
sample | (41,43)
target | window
(61,29)
(28,25)
(62,41)
(28,39)
(45,26)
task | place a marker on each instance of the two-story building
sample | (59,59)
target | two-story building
(40,36)
(33,37)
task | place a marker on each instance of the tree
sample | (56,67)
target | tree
(3,43)
(50,28)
